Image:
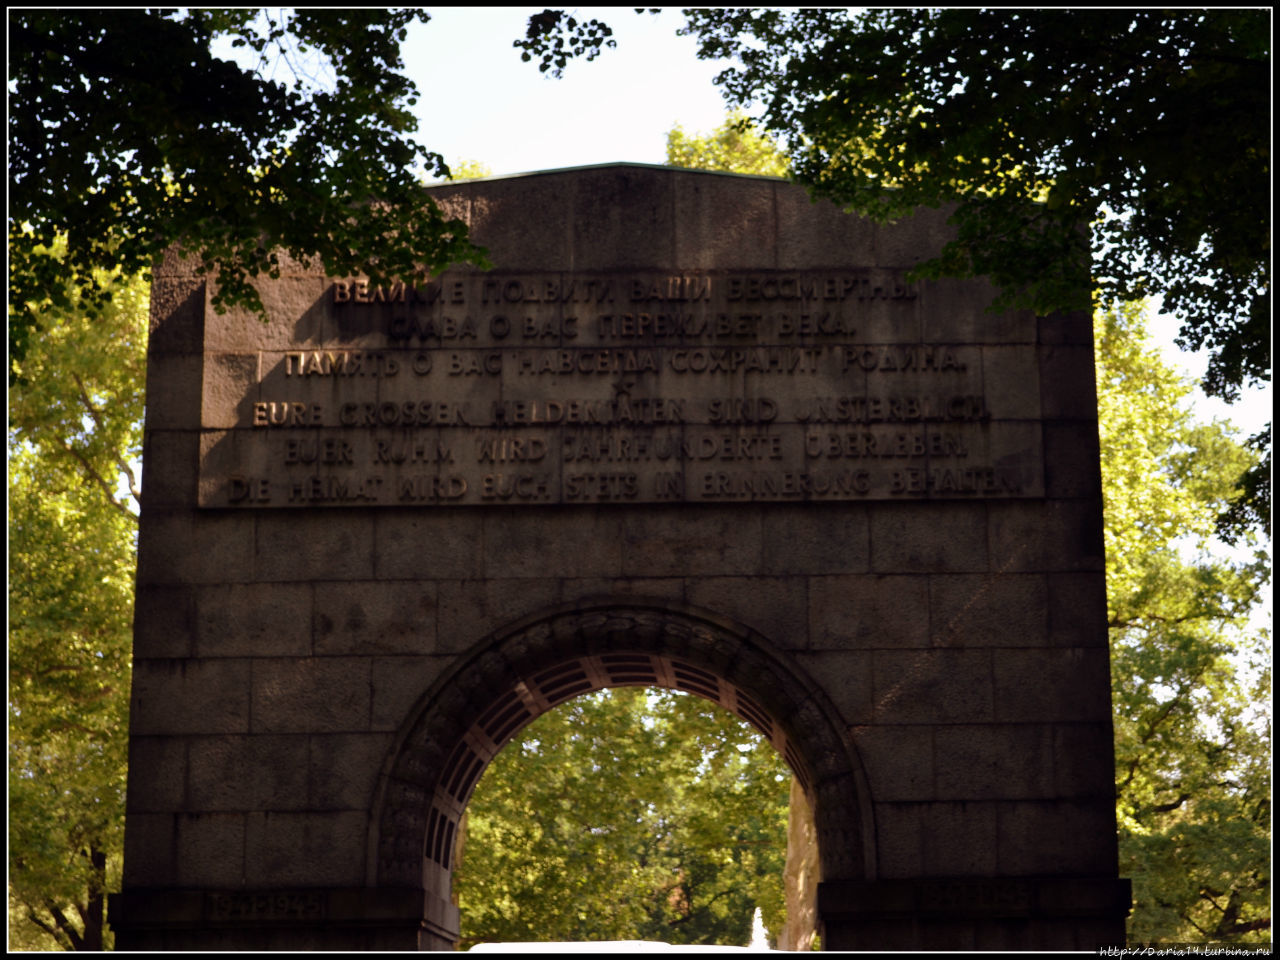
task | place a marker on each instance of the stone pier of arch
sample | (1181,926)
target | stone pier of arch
(692,431)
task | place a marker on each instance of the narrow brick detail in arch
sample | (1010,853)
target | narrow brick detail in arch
(531,670)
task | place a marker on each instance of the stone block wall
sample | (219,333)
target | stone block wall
(948,629)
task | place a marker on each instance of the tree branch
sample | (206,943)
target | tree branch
(98,479)
(1167,807)
(97,421)
(1173,702)
(1252,925)
(694,911)
(60,918)
(1201,930)
(58,936)
(94,912)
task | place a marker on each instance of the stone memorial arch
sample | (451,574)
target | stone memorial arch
(691,431)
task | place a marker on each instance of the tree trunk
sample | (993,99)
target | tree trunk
(801,874)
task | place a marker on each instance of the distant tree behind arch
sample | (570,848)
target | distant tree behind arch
(627,814)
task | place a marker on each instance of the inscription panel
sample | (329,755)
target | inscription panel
(236,908)
(633,387)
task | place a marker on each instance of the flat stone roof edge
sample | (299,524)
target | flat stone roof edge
(606,166)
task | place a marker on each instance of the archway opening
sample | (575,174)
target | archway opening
(629,814)
(521,672)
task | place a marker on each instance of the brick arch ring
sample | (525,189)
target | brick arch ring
(531,666)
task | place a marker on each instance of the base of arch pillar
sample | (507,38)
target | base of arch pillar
(310,918)
(1011,913)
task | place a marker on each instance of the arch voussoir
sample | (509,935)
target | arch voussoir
(537,663)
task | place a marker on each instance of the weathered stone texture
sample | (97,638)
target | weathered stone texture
(933,686)
(341,548)
(869,612)
(362,618)
(319,658)
(315,848)
(918,538)
(311,695)
(253,620)
(190,696)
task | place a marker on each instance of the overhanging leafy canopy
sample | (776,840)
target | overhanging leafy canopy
(1149,125)
(127,135)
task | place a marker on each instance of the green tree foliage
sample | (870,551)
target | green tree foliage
(628,814)
(1089,109)
(74,429)
(70,607)
(555,38)
(1190,680)
(1148,127)
(736,146)
(127,134)
(469,170)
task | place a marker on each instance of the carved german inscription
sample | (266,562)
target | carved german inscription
(622,388)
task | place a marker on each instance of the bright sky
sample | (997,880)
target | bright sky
(481,102)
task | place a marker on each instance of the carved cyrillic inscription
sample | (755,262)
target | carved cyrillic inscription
(482,389)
